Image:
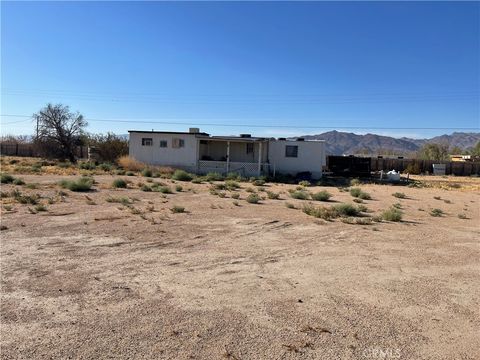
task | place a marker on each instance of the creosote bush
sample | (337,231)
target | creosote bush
(359,193)
(273,195)
(82,184)
(119,184)
(299,194)
(321,196)
(436,212)
(182,175)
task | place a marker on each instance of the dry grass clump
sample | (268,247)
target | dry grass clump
(120,199)
(289,205)
(177,209)
(360,194)
(332,212)
(119,184)
(321,196)
(182,175)
(273,195)
(253,198)
(299,195)
(82,184)
(6,179)
(393,214)
(129,163)
(399,195)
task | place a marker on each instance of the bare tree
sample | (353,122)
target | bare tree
(59,131)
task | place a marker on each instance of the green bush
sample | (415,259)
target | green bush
(358,193)
(326,213)
(197,180)
(273,195)
(130,173)
(146,188)
(120,172)
(290,205)
(121,200)
(462,216)
(87,165)
(6,178)
(18,181)
(253,199)
(399,195)
(177,209)
(163,189)
(321,196)
(436,212)
(214,176)
(347,210)
(231,185)
(233,176)
(178,188)
(392,214)
(147,172)
(105,167)
(182,175)
(40,207)
(258,182)
(358,201)
(304,183)
(82,184)
(119,183)
(299,194)
(355,182)
(235,195)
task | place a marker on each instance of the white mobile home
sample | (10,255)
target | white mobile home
(199,152)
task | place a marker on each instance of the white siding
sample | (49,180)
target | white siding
(185,157)
(311,157)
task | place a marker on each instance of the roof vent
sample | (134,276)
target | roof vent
(300,139)
(194,130)
(245,135)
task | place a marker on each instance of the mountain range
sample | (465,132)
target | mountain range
(343,143)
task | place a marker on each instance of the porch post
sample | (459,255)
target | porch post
(228,156)
(259,158)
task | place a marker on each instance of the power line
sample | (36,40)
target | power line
(167,122)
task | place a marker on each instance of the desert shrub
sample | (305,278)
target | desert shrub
(236,203)
(273,195)
(182,175)
(357,200)
(362,208)
(392,214)
(235,195)
(304,183)
(121,200)
(290,205)
(437,198)
(358,193)
(397,205)
(40,207)
(299,194)
(355,182)
(321,196)
(105,167)
(6,178)
(326,213)
(130,173)
(197,180)
(8,207)
(462,216)
(258,182)
(436,212)
(87,165)
(108,147)
(231,185)
(446,201)
(64,164)
(147,172)
(399,195)
(253,199)
(347,210)
(413,169)
(356,221)
(233,176)
(178,188)
(222,194)
(250,190)
(119,183)
(25,199)
(120,172)
(82,184)
(213,176)
(162,189)
(146,188)
(177,209)
(129,163)
(18,181)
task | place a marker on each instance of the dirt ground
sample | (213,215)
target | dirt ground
(94,279)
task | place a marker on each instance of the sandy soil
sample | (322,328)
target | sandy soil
(241,282)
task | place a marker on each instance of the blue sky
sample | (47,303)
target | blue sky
(287,66)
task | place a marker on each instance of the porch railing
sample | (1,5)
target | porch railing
(242,168)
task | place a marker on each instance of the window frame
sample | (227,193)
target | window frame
(293,148)
(147,141)
(249,148)
(163,142)
(178,143)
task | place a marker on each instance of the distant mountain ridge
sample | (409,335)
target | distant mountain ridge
(343,143)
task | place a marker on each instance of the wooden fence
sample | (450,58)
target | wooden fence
(426,166)
(9,149)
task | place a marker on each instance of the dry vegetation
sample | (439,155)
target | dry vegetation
(159,263)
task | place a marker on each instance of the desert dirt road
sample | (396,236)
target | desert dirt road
(90,278)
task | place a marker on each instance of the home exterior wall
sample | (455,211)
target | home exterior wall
(217,151)
(311,157)
(185,157)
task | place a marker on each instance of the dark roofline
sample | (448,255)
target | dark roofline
(167,132)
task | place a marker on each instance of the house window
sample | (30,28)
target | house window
(249,148)
(178,143)
(147,141)
(163,143)
(291,151)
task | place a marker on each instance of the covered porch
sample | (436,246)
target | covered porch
(246,156)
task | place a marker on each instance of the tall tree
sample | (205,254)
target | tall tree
(59,131)
(433,151)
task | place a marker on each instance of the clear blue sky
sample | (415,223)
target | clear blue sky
(325,64)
